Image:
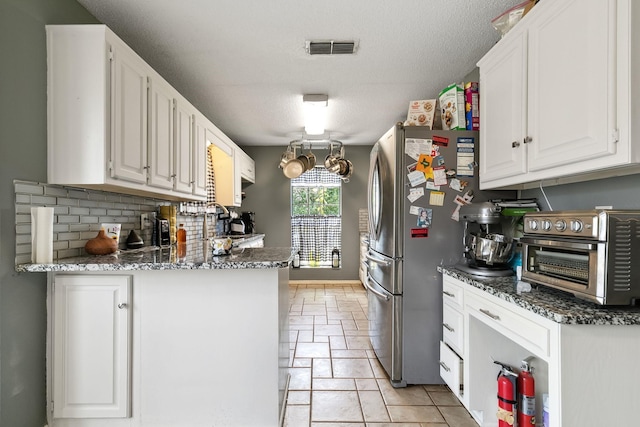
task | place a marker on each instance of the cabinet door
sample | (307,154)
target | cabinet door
(91,340)
(199,159)
(161,139)
(129,116)
(183,143)
(503,111)
(571,114)
(223,168)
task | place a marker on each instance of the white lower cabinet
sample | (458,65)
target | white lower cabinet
(586,369)
(91,335)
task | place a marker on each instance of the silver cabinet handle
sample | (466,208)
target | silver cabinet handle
(449,294)
(445,367)
(122,305)
(449,328)
(490,314)
(515,144)
(527,140)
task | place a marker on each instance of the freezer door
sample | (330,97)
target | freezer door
(385,329)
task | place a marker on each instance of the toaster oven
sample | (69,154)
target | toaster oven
(593,254)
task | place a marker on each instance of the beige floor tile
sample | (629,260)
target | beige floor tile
(457,416)
(300,320)
(321,338)
(337,342)
(339,315)
(328,330)
(297,416)
(302,363)
(333,384)
(335,406)
(305,336)
(414,395)
(378,370)
(427,414)
(322,368)
(300,379)
(320,320)
(357,333)
(349,325)
(337,424)
(357,342)
(373,407)
(368,384)
(351,354)
(302,397)
(352,368)
(444,398)
(312,349)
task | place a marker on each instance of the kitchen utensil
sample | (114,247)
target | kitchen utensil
(312,160)
(134,241)
(286,157)
(293,168)
(331,163)
(345,176)
(305,161)
(221,245)
(492,248)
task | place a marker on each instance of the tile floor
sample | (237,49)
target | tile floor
(336,380)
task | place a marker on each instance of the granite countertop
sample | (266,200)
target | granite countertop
(550,303)
(198,257)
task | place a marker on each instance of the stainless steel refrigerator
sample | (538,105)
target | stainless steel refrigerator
(403,285)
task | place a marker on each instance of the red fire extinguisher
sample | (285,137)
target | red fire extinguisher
(526,396)
(507,380)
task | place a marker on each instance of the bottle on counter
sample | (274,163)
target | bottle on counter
(181,239)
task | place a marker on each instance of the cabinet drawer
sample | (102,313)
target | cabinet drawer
(453,328)
(452,292)
(451,369)
(520,329)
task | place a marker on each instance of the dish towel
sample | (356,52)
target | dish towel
(211,182)
(41,235)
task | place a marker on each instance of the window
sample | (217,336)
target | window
(316,221)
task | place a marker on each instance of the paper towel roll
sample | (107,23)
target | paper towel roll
(41,235)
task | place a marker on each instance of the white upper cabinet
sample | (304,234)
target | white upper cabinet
(113,122)
(199,159)
(556,96)
(161,138)
(184,140)
(246,166)
(223,150)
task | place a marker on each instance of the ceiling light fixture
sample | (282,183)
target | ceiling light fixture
(315,113)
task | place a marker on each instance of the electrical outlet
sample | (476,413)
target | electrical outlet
(144,221)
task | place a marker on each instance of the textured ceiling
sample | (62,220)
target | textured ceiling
(243,62)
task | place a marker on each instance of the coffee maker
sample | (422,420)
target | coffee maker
(487,250)
(249,222)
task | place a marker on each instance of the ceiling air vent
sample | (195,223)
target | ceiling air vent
(331,47)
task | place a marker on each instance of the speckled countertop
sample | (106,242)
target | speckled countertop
(198,257)
(549,303)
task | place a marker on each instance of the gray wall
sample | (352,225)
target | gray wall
(23,125)
(620,192)
(269,198)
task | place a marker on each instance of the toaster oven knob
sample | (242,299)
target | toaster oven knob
(561,225)
(546,225)
(533,224)
(576,225)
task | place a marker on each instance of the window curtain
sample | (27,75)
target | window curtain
(316,237)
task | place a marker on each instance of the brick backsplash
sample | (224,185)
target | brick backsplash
(79,213)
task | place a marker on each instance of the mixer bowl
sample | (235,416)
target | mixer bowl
(492,248)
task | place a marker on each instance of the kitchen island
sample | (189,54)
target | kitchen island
(581,352)
(147,338)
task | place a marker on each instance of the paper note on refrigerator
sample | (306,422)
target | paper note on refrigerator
(413,147)
(436,198)
(465,151)
(415,194)
(416,178)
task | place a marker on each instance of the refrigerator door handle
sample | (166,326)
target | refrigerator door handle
(377,260)
(379,294)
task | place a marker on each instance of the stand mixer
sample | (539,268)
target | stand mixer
(487,250)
